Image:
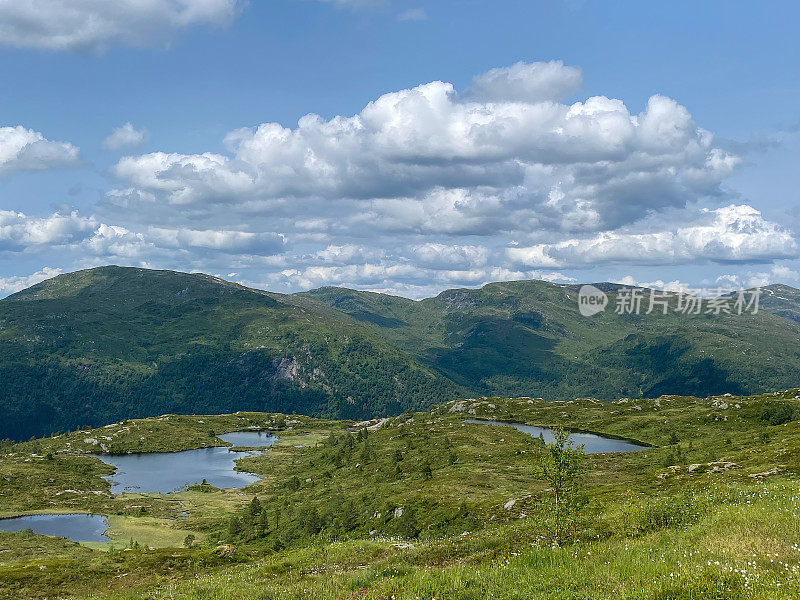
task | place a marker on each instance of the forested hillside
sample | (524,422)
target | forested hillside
(527,338)
(95,346)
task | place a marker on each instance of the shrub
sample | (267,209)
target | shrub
(406,525)
(661,513)
(780,414)
(676,456)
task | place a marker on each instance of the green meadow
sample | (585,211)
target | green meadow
(426,505)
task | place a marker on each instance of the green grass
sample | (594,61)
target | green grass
(712,558)
(647,531)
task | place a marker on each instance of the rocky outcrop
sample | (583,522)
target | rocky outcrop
(771,473)
(286,369)
(716,466)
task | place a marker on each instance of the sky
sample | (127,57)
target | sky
(402,147)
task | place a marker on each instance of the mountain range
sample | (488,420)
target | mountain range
(99,345)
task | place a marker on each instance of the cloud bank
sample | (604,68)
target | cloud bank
(95,25)
(10,285)
(424,188)
(730,234)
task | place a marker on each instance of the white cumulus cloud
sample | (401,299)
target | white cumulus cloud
(15,283)
(525,82)
(504,154)
(19,231)
(223,240)
(23,149)
(450,255)
(428,188)
(751,278)
(127,135)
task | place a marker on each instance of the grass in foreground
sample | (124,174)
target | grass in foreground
(747,545)
(661,523)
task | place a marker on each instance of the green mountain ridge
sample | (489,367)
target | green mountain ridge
(100,345)
(95,346)
(527,338)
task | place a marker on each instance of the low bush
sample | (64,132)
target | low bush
(780,414)
(664,512)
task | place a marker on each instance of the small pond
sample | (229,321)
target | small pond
(165,472)
(249,439)
(592,443)
(78,528)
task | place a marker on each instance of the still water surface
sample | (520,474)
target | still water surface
(78,528)
(249,439)
(165,472)
(592,444)
(153,472)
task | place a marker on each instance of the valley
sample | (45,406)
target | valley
(93,347)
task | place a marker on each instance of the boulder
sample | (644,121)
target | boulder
(773,471)
(225,550)
(722,465)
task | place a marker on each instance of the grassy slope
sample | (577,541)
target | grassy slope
(683,535)
(782,300)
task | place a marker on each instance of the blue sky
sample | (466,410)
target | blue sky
(558,164)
